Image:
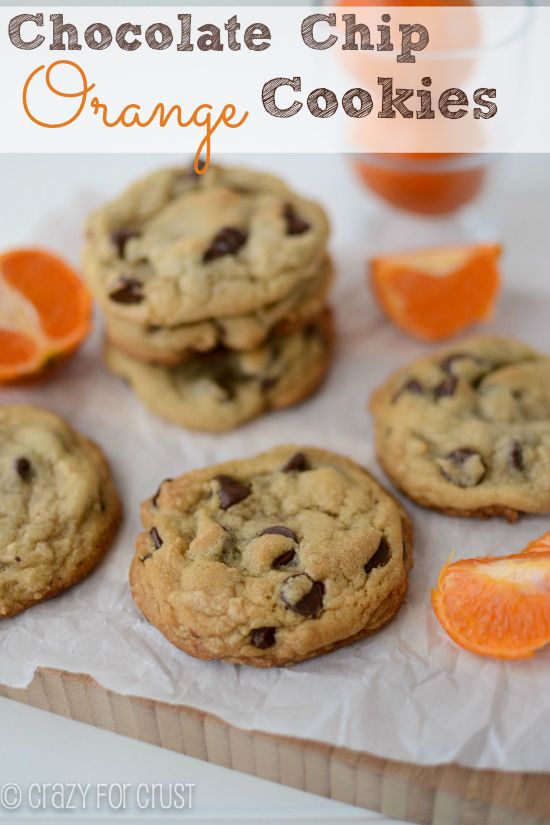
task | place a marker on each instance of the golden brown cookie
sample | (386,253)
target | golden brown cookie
(467,430)
(219,390)
(59,509)
(270,560)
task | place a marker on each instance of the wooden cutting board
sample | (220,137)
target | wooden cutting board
(431,795)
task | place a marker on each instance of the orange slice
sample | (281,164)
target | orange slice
(497,606)
(44,312)
(435,293)
(540,545)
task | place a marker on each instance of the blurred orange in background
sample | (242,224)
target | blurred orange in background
(427,183)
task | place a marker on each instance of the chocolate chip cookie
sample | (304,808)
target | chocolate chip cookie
(59,509)
(177,247)
(172,345)
(219,390)
(467,430)
(270,560)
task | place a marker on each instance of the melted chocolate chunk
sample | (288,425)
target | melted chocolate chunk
(279,530)
(154,500)
(23,468)
(412,385)
(129,292)
(283,559)
(309,605)
(228,241)
(231,491)
(297,462)
(381,556)
(295,225)
(447,388)
(120,238)
(155,537)
(516,456)
(312,603)
(263,637)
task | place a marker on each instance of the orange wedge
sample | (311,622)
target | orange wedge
(540,545)
(435,293)
(497,606)
(44,312)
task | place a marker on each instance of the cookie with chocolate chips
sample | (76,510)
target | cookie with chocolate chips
(270,560)
(467,430)
(59,509)
(219,390)
(171,345)
(180,248)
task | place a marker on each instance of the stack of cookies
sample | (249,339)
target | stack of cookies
(214,288)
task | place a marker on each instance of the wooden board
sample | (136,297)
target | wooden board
(433,795)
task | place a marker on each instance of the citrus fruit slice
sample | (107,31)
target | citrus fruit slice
(496,606)
(435,293)
(44,311)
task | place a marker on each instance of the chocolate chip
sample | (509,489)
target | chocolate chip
(447,388)
(120,238)
(18,559)
(279,530)
(154,500)
(283,559)
(463,467)
(412,385)
(312,603)
(129,292)
(228,241)
(381,556)
(516,456)
(263,637)
(298,462)
(231,491)
(461,454)
(155,536)
(295,225)
(23,468)
(308,605)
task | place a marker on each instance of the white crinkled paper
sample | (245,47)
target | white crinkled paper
(408,692)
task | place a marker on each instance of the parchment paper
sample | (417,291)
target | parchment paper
(408,692)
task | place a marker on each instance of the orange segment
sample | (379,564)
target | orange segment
(15,348)
(496,606)
(540,545)
(44,311)
(435,293)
